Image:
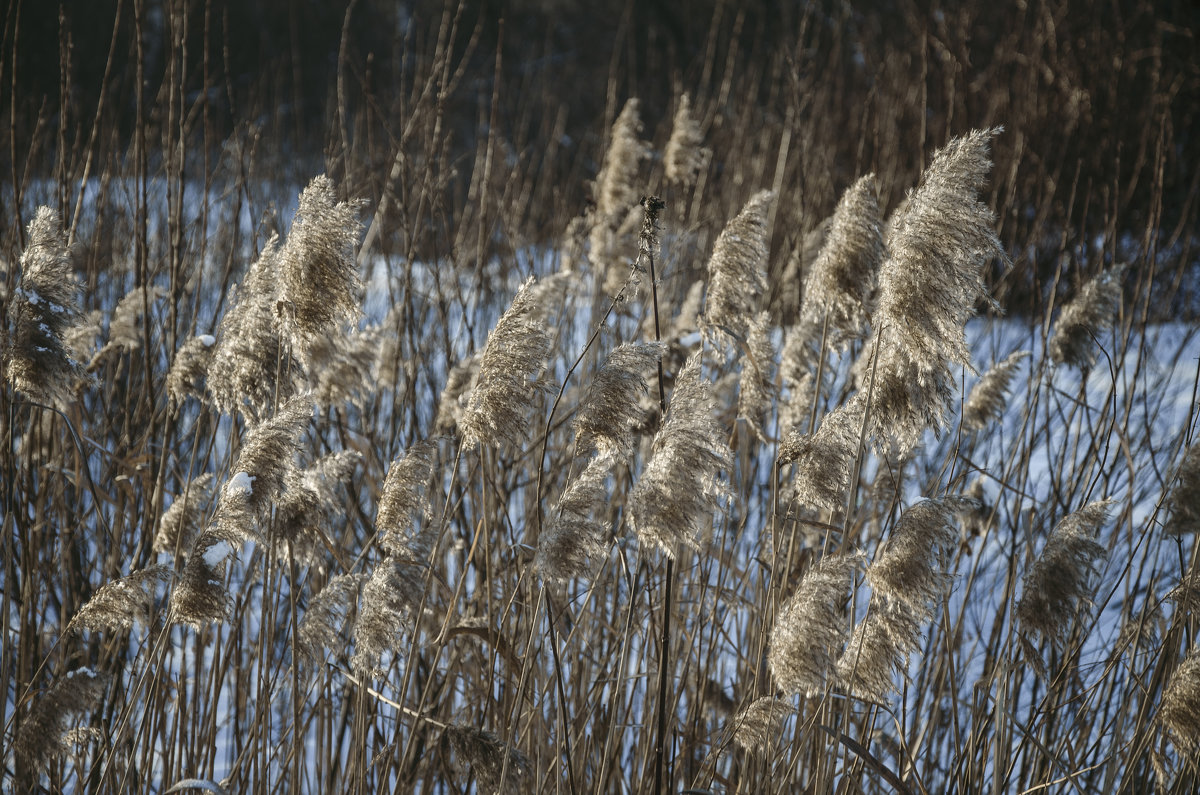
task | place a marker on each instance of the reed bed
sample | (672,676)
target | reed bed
(755,467)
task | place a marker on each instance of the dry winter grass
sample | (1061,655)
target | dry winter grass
(737,479)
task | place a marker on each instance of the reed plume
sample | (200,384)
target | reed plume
(508,381)
(1179,712)
(928,287)
(611,409)
(186,377)
(122,602)
(125,327)
(200,596)
(989,397)
(678,491)
(756,381)
(251,367)
(184,518)
(575,540)
(825,459)
(43,310)
(486,755)
(878,651)
(1057,590)
(615,192)
(1184,501)
(325,620)
(912,566)
(320,287)
(813,626)
(685,156)
(44,734)
(838,289)
(736,269)
(389,601)
(403,503)
(1073,342)
(759,726)
(310,506)
(263,466)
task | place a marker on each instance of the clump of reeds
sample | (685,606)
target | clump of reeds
(45,733)
(928,287)
(1057,590)
(813,626)
(678,490)
(508,380)
(43,310)
(1073,342)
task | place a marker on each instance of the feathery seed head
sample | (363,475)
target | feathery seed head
(402,503)
(263,464)
(575,540)
(928,286)
(611,409)
(879,648)
(1184,502)
(188,370)
(987,400)
(912,566)
(483,753)
(1180,710)
(320,286)
(812,627)
(44,734)
(736,270)
(685,156)
(250,357)
(200,596)
(756,382)
(389,601)
(184,518)
(758,727)
(510,367)
(840,283)
(310,506)
(1073,342)
(325,619)
(1057,590)
(44,309)
(678,490)
(824,460)
(120,603)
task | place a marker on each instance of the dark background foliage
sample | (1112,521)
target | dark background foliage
(1099,100)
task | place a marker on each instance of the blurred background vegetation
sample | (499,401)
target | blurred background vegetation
(1099,100)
